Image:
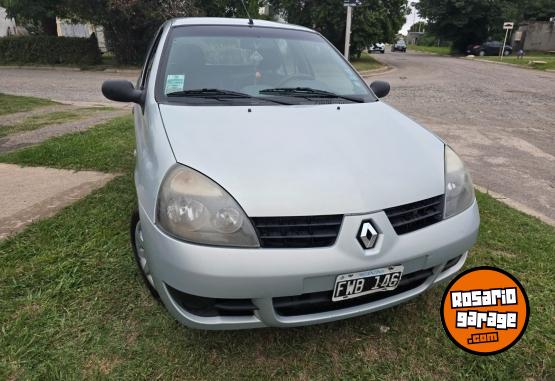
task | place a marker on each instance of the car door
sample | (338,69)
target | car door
(153,155)
(495,48)
(141,111)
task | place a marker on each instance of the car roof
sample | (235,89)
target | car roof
(234,21)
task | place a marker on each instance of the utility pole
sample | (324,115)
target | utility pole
(349,4)
(348,30)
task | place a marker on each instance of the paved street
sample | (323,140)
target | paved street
(501,119)
(66,85)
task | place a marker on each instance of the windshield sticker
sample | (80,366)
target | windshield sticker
(174,82)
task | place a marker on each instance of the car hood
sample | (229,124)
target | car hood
(309,160)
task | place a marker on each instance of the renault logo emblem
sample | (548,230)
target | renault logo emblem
(367,235)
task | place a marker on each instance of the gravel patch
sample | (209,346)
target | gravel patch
(63,84)
(499,118)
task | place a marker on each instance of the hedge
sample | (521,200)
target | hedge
(49,50)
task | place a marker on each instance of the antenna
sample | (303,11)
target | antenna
(247,11)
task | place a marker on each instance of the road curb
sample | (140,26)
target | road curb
(506,64)
(516,205)
(72,68)
(374,72)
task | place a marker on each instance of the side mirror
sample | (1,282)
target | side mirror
(122,91)
(380,88)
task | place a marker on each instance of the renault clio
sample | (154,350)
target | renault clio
(276,189)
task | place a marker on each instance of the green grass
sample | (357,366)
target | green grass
(10,104)
(366,62)
(74,307)
(57,117)
(528,59)
(107,147)
(442,50)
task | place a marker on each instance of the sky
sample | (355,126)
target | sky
(411,19)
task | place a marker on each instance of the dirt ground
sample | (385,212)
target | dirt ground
(499,118)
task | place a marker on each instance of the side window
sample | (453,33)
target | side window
(143,79)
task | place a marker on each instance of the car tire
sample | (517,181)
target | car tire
(506,53)
(137,244)
(482,53)
(382,52)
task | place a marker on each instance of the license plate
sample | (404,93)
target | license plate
(348,286)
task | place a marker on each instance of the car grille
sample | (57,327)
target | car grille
(410,217)
(297,232)
(317,302)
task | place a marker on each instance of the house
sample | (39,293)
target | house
(68,29)
(8,26)
(535,35)
(65,28)
(413,37)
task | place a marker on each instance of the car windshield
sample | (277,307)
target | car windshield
(236,65)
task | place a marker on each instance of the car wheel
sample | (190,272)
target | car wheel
(506,53)
(137,243)
(383,52)
(482,53)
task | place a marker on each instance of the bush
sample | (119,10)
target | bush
(429,39)
(50,50)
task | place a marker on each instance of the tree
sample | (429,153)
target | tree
(373,20)
(461,21)
(41,14)
(229,8)
(129,25)
(540,10)
(470,21)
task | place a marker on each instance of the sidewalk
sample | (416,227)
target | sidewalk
(32,193)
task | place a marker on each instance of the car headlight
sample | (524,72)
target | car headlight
(194,208)
(459,191)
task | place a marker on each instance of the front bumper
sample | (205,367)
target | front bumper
(265,276)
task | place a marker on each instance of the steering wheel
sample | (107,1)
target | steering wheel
(296,76)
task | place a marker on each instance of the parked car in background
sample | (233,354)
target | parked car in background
(490,48)
(378,47)
(399,46)
(265,197)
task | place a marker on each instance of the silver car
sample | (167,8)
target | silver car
(276,189)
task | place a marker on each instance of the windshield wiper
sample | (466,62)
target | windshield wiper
(220,94)
(308,92)
(208,93)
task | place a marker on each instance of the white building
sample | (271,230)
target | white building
(67,29)
(7,25)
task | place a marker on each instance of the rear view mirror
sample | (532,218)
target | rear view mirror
(380,88)
(122,91)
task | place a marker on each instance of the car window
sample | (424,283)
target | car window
(143,80)
(251,60)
